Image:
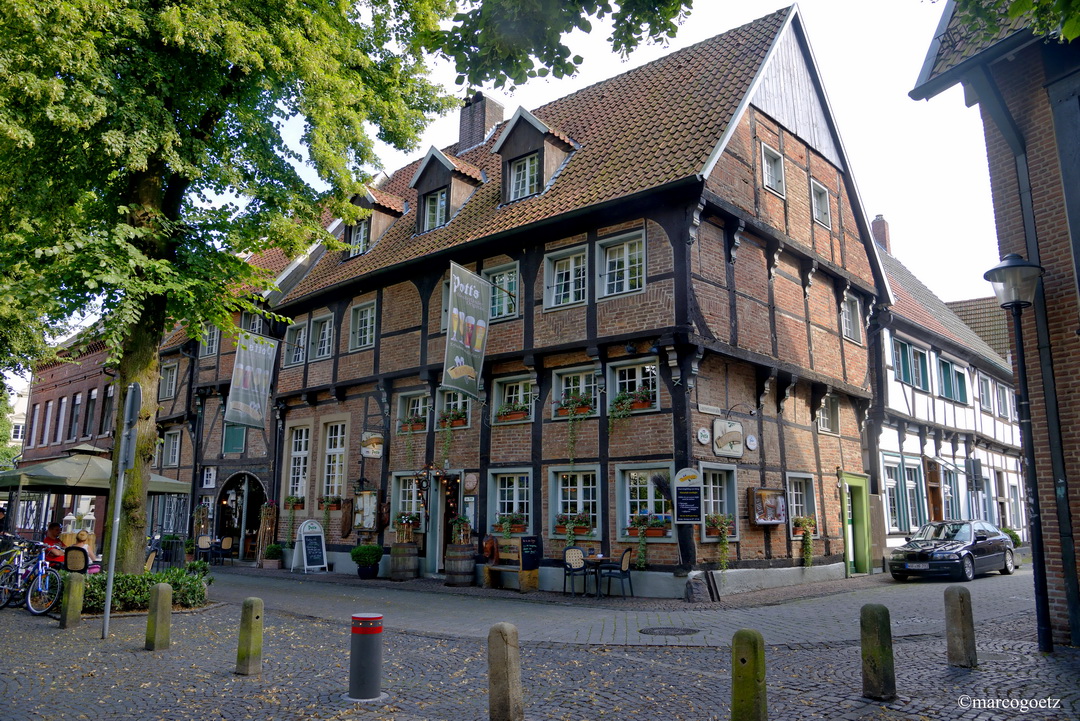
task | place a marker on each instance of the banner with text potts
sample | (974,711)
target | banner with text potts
(466,330)
(249,397)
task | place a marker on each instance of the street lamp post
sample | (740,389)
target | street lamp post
(1015,281)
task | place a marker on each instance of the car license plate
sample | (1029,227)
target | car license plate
(918,566)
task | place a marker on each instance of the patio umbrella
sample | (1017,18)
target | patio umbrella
(78,473)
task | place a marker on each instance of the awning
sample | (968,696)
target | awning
(78,473)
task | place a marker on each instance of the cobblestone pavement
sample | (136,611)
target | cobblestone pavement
(434,671)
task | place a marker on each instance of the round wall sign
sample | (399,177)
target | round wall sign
(703,436)
(751,442)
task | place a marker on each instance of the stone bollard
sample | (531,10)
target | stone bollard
(505,701)
(249,650)
(748,702)
(960,627)
(878,672)
(72,602)
(160,618)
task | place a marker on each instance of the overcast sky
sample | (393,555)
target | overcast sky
(920,164)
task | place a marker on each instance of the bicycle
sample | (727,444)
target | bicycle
(32,579)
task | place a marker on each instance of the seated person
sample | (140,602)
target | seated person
(94,563)
(54,553)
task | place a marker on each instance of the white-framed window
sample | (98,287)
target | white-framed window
(18,431)
(623,268)
(453,404)
(513,494)
(35,419)
(414,409)
(211,340)
(986,395)
(299,455)
(851,318)
(107,409)
(435,209)
(334,459)
(772,169)
(953,381)
(525,176)
(642,496)
(362,326)
(828,420)
(513,393)
(234,438)
(565,278)
(322,337)
(48,423)
(75,416)
(718,492)
(504,291)
(819,199)
(58,436)
(251,322)
(580,383)
(912,481)
(950,485)
(295,344)
(167,384)
(800,497)
(1004,402)
(91,407)
(892,495)
(576,492)
(209,476)
(910,365)
(639,381)
(407,497)
(360,238)
(171,451)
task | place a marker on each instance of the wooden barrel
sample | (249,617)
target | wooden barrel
(460,565)
(404,562)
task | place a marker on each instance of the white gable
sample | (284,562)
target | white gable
(787,92)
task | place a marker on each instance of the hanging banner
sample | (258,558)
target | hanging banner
(466,330)
(249,397)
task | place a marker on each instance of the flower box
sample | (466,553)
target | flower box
(641,405)
(456,423)
(578,530)
(329,506)
(649,532)
(514,528)
(716,531)
(294,506)
(512,416)
(579,411)
(412,427)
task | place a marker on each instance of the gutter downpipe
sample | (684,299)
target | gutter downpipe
(989,96)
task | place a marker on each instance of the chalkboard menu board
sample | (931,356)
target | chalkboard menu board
(312,545)
(688,505)
(530,553)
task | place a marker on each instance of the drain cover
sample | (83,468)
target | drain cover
(661,631)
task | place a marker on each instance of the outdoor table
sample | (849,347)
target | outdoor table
(593,563)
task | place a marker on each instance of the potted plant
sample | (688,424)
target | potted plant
(510,523)
(413,423)
(572,525)
(574,404)
(367,557)
(462,531)
(294,503)
(455,417)
(405,523)
(513,411)
(801,524)
(330,503)
(626,402)
(719,524)
(272,556)
(650,525)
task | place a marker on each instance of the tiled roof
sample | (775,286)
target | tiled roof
(988,319)
(272,259)
(957,42)
(176,337)
(917,304)
(637,131)
(466,168)
(387,200)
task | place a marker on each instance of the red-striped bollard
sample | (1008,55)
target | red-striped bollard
(365,666)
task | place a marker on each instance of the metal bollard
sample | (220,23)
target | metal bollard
(365,662)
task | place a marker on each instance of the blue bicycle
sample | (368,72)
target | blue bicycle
(27,576)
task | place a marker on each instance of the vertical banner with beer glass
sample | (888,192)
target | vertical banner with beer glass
(466,330)
(249,396)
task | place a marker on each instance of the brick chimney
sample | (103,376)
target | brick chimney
(479,115)
(880,228)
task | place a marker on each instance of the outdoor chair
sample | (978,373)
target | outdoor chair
(76,559)
(203,548)
(620,571)
(574,565)
(223,550)
(150,561)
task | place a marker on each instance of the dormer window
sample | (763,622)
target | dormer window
(360,238)
(435,209)
(525,176)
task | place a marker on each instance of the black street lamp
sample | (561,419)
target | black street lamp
(1015,281)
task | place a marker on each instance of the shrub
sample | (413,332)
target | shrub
(273,552)
(1013,535)
(366,554)
(132,592)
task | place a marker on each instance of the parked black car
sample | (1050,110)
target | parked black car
(960,549)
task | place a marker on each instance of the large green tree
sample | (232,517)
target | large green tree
(1056,18)
(141,153)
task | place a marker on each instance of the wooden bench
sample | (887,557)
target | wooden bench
(510,562)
